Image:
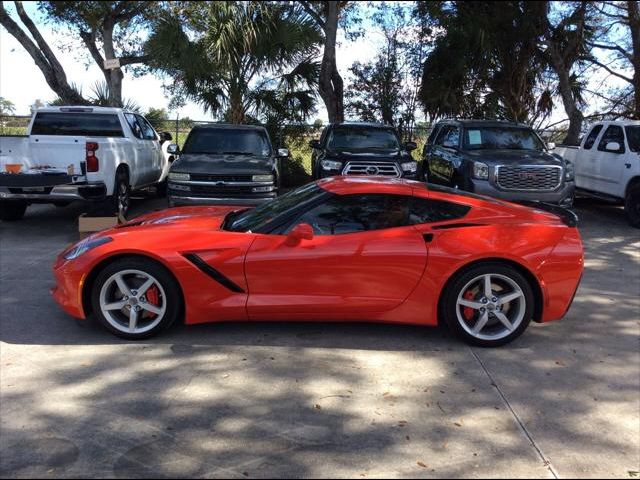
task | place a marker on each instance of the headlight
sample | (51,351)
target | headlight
(179,176)
(331,165)
(85,245)
(569,171)
(411,167)
(262,178)
(480,170)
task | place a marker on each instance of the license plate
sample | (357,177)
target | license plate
(33,189)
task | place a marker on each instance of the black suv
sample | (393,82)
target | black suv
(355,148)
(225,164)
(497,158)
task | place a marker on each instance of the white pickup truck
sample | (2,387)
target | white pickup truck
(607,164)
(96,154)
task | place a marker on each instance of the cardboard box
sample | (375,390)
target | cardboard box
(88,225)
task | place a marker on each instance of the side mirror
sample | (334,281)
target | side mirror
(410,146)
(283,152)
(551,146)
(173,149)
(302,231)
(314,143)
(612,147)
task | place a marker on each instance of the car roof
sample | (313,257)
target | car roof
(480,122)
(80,109)
(362,124)
(228,126)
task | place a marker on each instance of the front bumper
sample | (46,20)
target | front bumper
(562,196)
(179,200)
(68,289)
(223,192)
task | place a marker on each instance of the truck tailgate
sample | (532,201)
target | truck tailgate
(63,154)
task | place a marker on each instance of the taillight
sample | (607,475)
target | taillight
(91,159)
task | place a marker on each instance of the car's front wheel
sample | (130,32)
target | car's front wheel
(632,205)
(135,298)
(488,305)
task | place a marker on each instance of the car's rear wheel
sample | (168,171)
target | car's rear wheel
(632,205)
(11,210)
(135,298)
(488,305)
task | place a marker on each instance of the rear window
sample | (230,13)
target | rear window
(633,137)
(228,141)
(77,124)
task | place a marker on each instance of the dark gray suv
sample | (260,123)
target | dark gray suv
(501,159)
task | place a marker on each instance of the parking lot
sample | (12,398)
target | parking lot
(318,400)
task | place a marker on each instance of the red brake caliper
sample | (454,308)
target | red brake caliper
(153,297)
(468,311)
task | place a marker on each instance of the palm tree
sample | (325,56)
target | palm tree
(237,58)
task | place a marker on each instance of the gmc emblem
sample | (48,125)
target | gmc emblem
(528,176)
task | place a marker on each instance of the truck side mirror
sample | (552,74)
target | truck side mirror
(314,143)
(173,149)
(283,152)
(410,146)
(612,147)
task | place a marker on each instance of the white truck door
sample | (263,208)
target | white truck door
(138,164)
(155,166)
(585,161)
(610,163)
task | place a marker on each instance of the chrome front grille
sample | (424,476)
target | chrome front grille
(529,177)
(372,168)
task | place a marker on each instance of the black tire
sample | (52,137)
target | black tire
(451,314)
(121,199)
(158,272)
(632,205)
(161,188)
(12,210)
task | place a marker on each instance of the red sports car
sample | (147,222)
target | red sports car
(340,249)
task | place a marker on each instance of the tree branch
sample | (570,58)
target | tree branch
(89,40)
(313,14)
(616,48)
(612,72)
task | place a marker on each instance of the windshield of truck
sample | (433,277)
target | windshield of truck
(501,138)
(77,124)
(360,138)
(254,219)
(228,141)
(633,137)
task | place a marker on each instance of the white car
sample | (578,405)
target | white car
(97,154)
(607,164)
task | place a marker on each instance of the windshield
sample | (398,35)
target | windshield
(255,218)
(633,137)
(227,141)
(498,138)
(359,138)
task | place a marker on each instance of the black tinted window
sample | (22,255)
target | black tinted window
(633,137)
(354,138)
(591,138)
(448,136)
(433,134)
(490,138)
(227,141)
(77,124)
(133,125)
(613,133)
(147,130)
(357,213)
(422,210)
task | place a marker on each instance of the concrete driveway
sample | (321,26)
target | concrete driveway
(318,400)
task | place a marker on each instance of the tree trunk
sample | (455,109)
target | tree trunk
(41,54)
(331,86)
(634,26)
(112,76)
(568,101)
(236,113)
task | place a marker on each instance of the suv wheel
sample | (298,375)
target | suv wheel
(11,210)
(632,205)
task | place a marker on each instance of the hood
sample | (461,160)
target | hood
(214,164)
(184,218)
(391,155)
(513,157)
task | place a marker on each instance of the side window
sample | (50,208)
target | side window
(441,134)
(133,124)
(433,135)
(613,133)
(591,138)
(422,210)
(148,132)
(448,136)
(342,214)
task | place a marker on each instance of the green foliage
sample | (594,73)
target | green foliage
(6,107)
(486,60)
(239,60)
(157,117)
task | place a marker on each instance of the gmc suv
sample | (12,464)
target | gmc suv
(355,148)
(501,159)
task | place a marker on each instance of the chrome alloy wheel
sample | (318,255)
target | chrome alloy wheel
(132,301)
(490,307)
